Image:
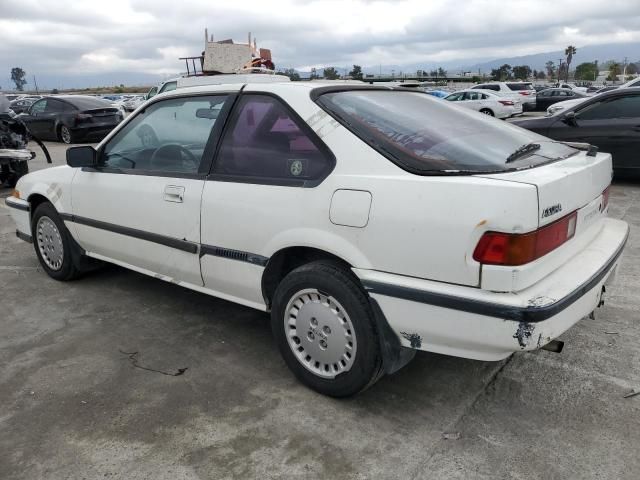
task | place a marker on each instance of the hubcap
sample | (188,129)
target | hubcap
(65,134)
(320,333)
(49,243)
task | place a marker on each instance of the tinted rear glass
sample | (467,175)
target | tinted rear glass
(520,86)
(428,136)
(87,103)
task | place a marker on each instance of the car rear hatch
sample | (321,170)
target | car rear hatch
(572,192)
(100,116)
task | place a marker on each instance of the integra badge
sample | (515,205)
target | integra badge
(552,210)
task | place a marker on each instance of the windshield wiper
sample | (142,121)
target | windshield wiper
(522,151)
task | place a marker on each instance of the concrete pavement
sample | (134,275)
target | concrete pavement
(72,405)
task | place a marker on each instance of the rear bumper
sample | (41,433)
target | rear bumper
(479,324)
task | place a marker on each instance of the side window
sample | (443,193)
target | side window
(494,87)
(455,97)
(55,106)
(267,142)
(485,96)
(39,106)
(622,107)
(472,96)
(168,136)
(168,87)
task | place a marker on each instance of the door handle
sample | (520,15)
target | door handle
(173,193)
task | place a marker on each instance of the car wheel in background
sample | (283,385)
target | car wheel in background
(486,111)
(323,324)
(65,136)
(53,243)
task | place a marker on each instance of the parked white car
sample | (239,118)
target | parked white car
(522,91)
(370,222)
(572,86)
(487,102)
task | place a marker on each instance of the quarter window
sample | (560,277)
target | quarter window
(168,136)
(267,142)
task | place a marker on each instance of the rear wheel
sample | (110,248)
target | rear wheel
(324,327)
(53,244)
(65,135)
(487,111)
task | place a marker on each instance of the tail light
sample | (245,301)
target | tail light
(605,198)
(512,249)
(506,102)
(524,92)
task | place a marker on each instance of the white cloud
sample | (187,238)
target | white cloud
(65,37)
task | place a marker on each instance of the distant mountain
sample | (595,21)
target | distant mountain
(602,53)
(48,82)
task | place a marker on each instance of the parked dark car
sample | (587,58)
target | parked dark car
(550,96)
(71,118)
(610,121)
(21,106)
(605,89)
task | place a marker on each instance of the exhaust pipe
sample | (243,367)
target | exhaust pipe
(554,346)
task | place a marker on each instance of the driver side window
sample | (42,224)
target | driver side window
(168,136)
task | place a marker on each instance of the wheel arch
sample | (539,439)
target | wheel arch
(286,260)
(35,200)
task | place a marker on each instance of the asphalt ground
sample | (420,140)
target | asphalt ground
(74,405)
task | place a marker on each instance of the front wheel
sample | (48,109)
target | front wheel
(65,135)
(486,111)
(324,327)
(53,243)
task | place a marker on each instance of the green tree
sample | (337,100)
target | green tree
(541,75)
(356,73)
(502,73)
(614,71)
(586,71)
(314,74)
(17,77)
(442,72)
(292,74)
(521,72)
(570,51)
(551,69)
(433,73)
(632,68)
(330,73)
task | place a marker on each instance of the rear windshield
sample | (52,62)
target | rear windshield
(520,86)
(428,136)
(86,102)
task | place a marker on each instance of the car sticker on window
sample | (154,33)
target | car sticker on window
(296,167)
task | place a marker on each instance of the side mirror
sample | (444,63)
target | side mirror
(84,156)
(570,119)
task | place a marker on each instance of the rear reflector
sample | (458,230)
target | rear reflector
(512,249)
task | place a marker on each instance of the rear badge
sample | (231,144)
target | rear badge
(552,210)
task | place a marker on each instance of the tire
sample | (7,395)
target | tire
(65,135)
(20,169)
(487,111)
(53,243)
(350,360)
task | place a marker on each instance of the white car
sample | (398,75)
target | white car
(562,106)
(523,91)
(487,102)
(370,222)
(572,86)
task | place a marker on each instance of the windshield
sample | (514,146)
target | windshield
(425,135)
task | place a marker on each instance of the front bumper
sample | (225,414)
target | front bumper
(20,212)
(473,323)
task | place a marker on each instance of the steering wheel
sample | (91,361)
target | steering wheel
(166,155)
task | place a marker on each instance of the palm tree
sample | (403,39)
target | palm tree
(570,51)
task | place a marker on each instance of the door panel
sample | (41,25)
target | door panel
(143,200)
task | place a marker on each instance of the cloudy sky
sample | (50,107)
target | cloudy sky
(94,37)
